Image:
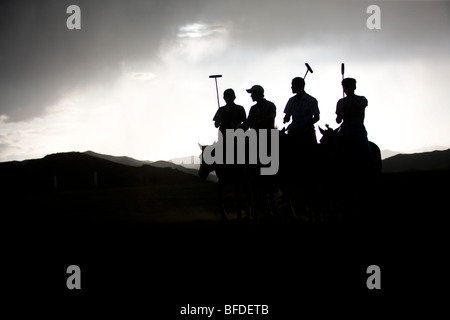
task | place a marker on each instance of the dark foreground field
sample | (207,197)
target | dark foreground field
(154,249)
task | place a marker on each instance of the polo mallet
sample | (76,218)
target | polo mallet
(217,89)
(308,69)
(342,72)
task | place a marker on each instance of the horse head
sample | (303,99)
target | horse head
(205,169)
(329,136)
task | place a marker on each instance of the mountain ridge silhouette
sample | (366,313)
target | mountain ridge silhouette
(76,170)
(425,161)
(119,159)
(177,164)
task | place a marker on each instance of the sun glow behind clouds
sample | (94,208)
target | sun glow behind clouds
(199,30)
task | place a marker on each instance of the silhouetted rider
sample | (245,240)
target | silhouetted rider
(305,113)
(350,111)
(230,116)
(262,114)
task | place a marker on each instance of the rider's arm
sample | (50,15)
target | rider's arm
(315,118)
(288,111)
(217,118)
(339,108)
(287,118)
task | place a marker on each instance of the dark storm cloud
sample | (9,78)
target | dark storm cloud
(41,60)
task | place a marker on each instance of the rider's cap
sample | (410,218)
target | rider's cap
(256,88)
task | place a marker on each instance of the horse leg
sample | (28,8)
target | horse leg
(253,191)
(238,201)
(221,199)
(287,210)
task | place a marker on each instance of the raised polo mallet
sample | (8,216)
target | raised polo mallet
(308,69)
(215,76)
(342,72)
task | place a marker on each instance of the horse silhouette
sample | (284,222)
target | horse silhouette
(326,181)
(347,157)
(313,184)
(300,178)
(357,176)
(242,188)
(233,188)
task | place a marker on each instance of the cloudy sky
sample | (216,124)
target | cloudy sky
(134,79)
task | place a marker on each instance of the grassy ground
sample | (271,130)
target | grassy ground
(145,204)
(156,267)
(407,197)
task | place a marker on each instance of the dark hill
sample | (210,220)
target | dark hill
(74,170)
(427,161)
(122,160)
(190,169)
(169,164)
